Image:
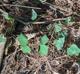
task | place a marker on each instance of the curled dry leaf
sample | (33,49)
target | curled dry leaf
(2,44)
(75,32)
(1,51)
(30,36)
(55,72)
(61,2)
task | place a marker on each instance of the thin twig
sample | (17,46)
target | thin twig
(28,23)
(61,10)
(20,6)
(65,56)
(42,22)
(45,22)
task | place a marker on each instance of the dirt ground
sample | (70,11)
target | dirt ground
(14,61)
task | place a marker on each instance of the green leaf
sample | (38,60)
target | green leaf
(23,39)
(34,15)
(6,16)
(26,49)
(58,27)
(59,43)
(2,38)
(44,39)
(68,21)
(24,43)
(42,1)
(43,51)
(73,50)
(63,33)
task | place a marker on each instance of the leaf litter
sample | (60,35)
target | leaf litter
(39,46)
